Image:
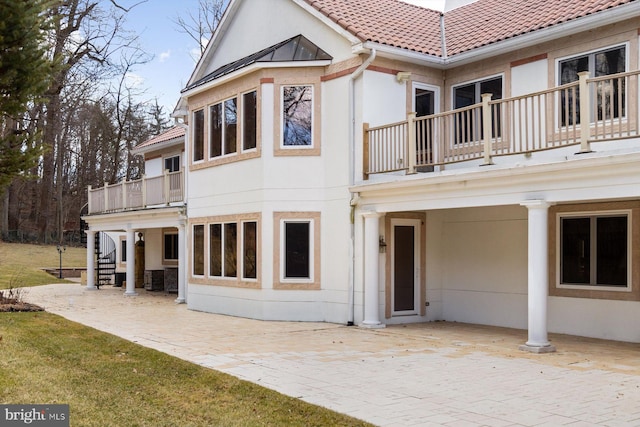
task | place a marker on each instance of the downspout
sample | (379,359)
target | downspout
(184,250)
(352,179)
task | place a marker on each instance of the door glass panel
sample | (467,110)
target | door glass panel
(404,268)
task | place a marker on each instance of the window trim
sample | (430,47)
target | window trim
(424,86)
(165,232)
(455,144)
(610,293)
(223,130)
(194,138)
(241,139)
(279,281)
(238,281)
(281,144)
(172,156)
(590,215)
(476,81)
(557,79)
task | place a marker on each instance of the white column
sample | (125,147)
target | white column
(182,262)
(91,260)
(371,271)
(131,263)
(538,277)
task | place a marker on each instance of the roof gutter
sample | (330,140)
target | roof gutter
(352,172)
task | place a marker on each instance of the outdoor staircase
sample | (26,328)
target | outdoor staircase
(105,250)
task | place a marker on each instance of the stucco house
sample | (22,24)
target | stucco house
(375,162)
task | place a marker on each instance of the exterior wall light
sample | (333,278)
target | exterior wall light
(382,245)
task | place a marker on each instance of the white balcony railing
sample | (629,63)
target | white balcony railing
(142,193)
(598,109)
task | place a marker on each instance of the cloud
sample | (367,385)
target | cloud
(164,56)
(134,80)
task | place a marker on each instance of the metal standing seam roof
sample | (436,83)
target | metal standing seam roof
(297,48)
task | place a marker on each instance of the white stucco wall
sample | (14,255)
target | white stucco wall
(274,21)
(271,184)
(477,266)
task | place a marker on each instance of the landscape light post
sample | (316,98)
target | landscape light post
(60,250)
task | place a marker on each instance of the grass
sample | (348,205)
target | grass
(21,264)
(108,381)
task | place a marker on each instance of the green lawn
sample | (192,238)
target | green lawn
(108,381)
(21,264)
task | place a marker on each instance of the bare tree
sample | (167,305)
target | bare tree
(201,25)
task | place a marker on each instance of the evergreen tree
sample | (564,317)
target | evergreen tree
(24,77)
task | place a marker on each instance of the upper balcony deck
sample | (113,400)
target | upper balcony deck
(518,126)
(152,192)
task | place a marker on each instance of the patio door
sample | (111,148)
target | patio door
(405,266)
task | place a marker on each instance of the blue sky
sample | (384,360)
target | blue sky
(172,50)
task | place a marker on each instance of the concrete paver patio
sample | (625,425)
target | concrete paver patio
(434,374)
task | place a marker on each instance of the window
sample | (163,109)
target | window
(123,250)
(468,123)
(170,243)
(297,116)
(610,93)
(297,250)
(249,120)
(594,250)
(172,164)
(223,249)
(424,104)
(223,128)
(198,135)
(198,250)
(249,249)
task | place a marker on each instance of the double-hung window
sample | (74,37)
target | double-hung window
(609,93)
(297,116)
(223,128)
(594,249)
(468,123)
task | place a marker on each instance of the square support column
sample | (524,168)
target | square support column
(131,263)
(91,260)
(371,270)
(538,277)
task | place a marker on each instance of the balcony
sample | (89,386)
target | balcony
(156,191)
(523,125)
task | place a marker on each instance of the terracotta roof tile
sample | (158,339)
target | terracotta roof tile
(389,22)
(489,21)
(168,135)
(398,24)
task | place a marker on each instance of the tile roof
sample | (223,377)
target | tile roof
(168,135)
(389,22)
(489,21)
(398,24)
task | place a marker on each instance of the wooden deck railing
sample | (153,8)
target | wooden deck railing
(520,125)
(142,193)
